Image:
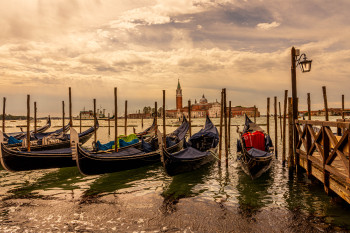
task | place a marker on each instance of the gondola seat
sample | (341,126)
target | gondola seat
(255,140)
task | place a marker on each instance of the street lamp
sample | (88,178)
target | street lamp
(305,66)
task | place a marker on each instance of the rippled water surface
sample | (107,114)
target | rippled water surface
(231,185)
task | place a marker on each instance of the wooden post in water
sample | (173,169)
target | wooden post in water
(276,133)
(225,125)
(3,114)
(229,125)
(35,117)
(115,120)
(95,134)
(155,117)
(28,123)
(189,118)
(268,116)
(308,106)
(142,121)
(290,137)
(284,128)
(280,114)
(342,107)
(63,113)
(80,122)
(126,118)
(220,129)
(254,113)
(325,102)
(109,125)
(164,119)
(70,108)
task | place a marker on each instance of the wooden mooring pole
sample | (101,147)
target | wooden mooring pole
(80,122)
(189,117)
(35,109)
(155,117)
(290,134)
(70,108)
(115,120)
(325,102)
(280,116)
(342,107)
(63,113)
(109,125)
(226,129)
(229,125)
(142,121)
(254,113)
(3,114)
(126,118)
(95,118)
(28,123)
(284,128)
(164,121)
(268,116)
(220,129)
(276,123)
(308,106)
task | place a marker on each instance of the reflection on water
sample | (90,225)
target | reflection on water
(230,185)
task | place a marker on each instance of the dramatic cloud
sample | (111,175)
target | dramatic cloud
(143,47)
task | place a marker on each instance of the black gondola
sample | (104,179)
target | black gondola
(20,135)
(91,163)
(254,147)
(54,155)
(200,149)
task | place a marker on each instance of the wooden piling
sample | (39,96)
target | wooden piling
(254,113)
(70,108)
(155,117)
(308,106)
(95,132)
(126,118)
(342,107)
(220,129)
(325,102)
(284,128)
(280,116)
(35,117)
(80,122)
(142,121)
(164,120)
(189,118)
(109,125)
(3,114)
(290,134)
(28,123)
(115,120)
(225,127)
(276,133)
(63,115)
(229,125)
(268,116)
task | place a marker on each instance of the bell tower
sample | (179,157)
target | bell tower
(178,96)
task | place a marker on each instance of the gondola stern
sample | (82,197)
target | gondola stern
(74,142)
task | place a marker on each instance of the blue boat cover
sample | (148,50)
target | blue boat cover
(190,153)
(182,130)
(106,146)
(258,153)
(209,130)
(13,140)
(146,146)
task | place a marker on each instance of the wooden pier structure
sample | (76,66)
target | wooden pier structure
(323,151)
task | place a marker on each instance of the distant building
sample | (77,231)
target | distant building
(203,108)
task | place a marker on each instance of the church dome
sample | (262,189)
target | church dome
(203,100)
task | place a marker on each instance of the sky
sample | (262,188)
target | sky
(143,47)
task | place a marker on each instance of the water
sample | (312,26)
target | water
(275,189)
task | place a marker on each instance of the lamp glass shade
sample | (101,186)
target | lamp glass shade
(306,65)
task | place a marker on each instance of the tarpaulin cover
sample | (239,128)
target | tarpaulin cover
(209,130)
(254,140)
(258,153)
(123,143)
(13,140)
(182,130)
(146,147)
(190,153)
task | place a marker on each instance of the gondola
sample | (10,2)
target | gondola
(200,149)
(91,163)
(254,148)
(20,135)
(53,155)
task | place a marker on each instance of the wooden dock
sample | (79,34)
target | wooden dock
(324,154)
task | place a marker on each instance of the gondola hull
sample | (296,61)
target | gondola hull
(90,164)
(174,166)
(254,167)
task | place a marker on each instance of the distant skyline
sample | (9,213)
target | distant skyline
(143,47)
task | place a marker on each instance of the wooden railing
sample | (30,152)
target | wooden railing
(325,151)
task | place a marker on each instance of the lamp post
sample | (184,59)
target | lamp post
(305,66)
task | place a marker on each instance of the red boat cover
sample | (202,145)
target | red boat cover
(254,140)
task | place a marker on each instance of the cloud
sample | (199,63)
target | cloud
(267,26)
